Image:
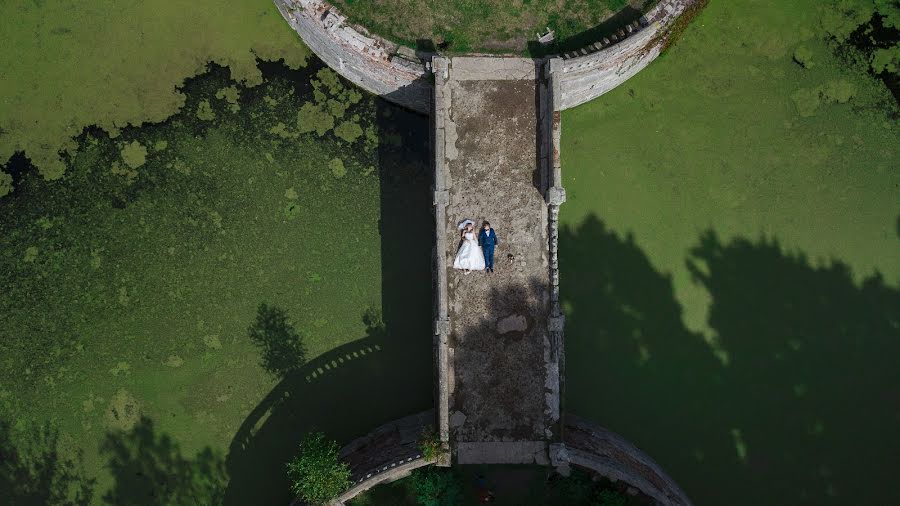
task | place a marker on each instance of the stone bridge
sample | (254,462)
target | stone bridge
(498,338)
(498,335)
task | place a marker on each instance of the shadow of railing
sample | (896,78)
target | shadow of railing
(352,389)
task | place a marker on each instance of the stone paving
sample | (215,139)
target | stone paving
(498,342)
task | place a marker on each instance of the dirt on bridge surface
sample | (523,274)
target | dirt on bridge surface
(498,340)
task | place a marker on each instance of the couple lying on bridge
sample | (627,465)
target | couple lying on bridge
(476,254)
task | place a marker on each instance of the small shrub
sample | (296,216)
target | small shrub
(611,498)
(436,487)
(430,445)
(316,474)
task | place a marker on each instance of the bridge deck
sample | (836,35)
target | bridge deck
(503,387)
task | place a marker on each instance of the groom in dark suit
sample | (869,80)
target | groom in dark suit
(487,239)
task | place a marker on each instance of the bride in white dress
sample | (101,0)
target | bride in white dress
(469,257)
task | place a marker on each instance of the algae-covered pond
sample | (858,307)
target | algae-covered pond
(132,283)
(730,261)
(729,254)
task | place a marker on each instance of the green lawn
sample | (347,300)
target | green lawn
(730,260)
(492,25)
(130,285)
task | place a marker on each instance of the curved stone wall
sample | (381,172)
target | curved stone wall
(588,73)
(372,63)
(388,453)
(399,74)
(593,447)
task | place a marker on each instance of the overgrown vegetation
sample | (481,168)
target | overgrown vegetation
(430,445)
(316,474)
(676,30)
(867,35)
(509,484)
(435,486)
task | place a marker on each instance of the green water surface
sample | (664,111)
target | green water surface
(730,261)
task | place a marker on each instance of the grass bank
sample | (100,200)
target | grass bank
(131,285)
(730,259)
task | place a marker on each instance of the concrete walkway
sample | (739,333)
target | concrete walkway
(503,387)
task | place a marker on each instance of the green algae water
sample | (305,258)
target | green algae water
(130,284)
(66,65)
(730,261)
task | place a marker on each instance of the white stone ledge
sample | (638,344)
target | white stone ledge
(492,68)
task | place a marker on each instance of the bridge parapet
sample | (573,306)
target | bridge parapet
(588,445)
(374,64)
(388,453)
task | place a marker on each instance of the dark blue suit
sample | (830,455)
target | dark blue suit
(488,240)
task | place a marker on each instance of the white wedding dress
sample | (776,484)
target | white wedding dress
(469,257)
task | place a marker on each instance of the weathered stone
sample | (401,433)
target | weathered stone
(512,323)
(362,59)
(556,323)
(457,419)
(441,198)
(407,52)
(499,343)
(556,196)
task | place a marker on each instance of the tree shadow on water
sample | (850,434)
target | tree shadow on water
(802,412)
(281,347)
(149,468)
(35,472)
(385,375)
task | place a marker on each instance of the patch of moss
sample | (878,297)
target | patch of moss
(6,183)
(837,91)
(230,94)
(129,174)
(336,165)
(804,57)
(348,131)
(313,118)
(134,154)
(281,130)
(205,111)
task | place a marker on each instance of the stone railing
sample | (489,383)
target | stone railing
(586,74)
(388,453)
(590,446)
(555,196)
(371,62)
(443,365)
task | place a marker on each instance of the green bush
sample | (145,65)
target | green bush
(611,498)
(430,445)
(316,474)
(435,486)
